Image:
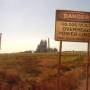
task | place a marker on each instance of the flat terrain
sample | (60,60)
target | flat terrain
(43,64)
(42,68)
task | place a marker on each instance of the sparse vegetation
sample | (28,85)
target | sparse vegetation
(39,70)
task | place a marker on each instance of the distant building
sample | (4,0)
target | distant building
(42,47)
(45,47)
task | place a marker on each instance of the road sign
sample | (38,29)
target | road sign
(72,26)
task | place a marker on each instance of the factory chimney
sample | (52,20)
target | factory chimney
(48,44)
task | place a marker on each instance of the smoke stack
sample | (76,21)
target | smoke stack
(48,43)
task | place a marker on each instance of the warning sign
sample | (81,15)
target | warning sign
(72,26)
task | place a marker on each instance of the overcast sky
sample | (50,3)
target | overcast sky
(23,23)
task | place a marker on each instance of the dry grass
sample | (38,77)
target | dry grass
(42,67)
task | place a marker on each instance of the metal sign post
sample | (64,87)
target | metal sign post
(87,72)
(59,66)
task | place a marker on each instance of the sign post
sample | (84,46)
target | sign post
(59,65)
(73,26)
(88,63)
